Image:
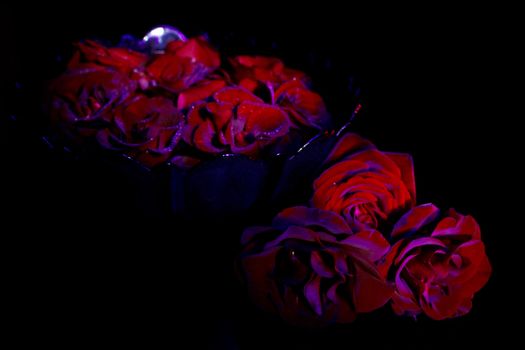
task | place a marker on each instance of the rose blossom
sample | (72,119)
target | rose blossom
(310,268)
(268,78)
(90,53)
(145,128)
(235,121)
(183,64)
(366,186)
(439,264)
(305,107)
(81,101)
(252,71)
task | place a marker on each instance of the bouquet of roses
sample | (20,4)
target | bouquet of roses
(356,242)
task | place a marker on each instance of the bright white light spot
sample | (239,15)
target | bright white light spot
(159,31)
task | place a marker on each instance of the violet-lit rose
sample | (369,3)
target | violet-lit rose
(92,54)
(236,121)
(270,79)
(145,128)
(253,71)
(439,264)
(183,64)
(82,100)
(305,107)
(310,268)
(366,186)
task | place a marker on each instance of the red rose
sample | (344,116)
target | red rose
(440,266)
(145,128)
(282,87)
(251,71)
(91,53)
(184,64)
(236,121)
(82,100)
(366,186)
(311,269)
(305,107)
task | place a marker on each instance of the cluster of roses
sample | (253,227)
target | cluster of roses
(363,242)
(360,243)
(182,104)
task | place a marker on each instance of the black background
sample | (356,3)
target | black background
(429,86)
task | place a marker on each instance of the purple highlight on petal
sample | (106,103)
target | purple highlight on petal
(415,219)
(320,266)
(312,294)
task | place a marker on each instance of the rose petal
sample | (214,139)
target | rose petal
(340,310)
(198,50)
(256,126)
(263,119)
(312,294)
(300,234)
(176,73)
(373,245)
(420,242)
(304,216)
(481,277)
(121,59)
(370,291)
(198,92)
(319,266)
(306,107)
(348,144)
(261,285)
(415,219)
(457,225)
(404,299)
(406,164)
(203,138)
(235,95)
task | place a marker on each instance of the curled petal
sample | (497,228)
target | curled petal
(457,225)
(348,144)
(198,92)
(405,164)
(417,243)
(197,49)
(415,219)
(373,245)
(312,294)
(320,266)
